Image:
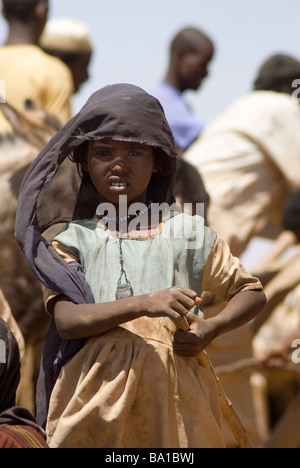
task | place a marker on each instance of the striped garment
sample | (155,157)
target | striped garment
(21,437)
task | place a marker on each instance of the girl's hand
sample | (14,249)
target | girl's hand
(174,303)
(191,343)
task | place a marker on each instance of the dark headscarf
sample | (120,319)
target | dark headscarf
(52,193)
(10,369)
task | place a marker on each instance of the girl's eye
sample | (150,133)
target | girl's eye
(103,153)
(135,153)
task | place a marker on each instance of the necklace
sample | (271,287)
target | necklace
(115,219)
(124,288)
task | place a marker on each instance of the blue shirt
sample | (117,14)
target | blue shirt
(184,125)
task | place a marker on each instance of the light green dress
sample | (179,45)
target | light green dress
(126,388)
(177,255)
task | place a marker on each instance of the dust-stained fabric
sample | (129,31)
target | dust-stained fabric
(104,397)
(108,385)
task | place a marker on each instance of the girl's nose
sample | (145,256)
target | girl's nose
(118,166)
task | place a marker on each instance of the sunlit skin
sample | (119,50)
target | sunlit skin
(80,70)
(119,168)
(191,54)
(27,32)
(193,69)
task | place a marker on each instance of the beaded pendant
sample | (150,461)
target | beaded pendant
(124,288)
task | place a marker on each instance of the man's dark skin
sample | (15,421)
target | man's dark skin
(29,31)
(191,53)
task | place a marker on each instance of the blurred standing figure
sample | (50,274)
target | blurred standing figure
(27,71)
(69,40)
(191,52)
(249,156)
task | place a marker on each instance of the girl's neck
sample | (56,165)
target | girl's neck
(140,222)
(123,213)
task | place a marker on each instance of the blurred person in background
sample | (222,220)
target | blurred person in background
(249,156)
(190,54)
(27,71)
(69,40)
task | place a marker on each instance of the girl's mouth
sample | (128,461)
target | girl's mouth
(118,186)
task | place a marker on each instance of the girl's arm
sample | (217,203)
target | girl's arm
(87,320)
(225,277)
(242,308)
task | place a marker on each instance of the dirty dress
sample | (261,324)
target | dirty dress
(126,388)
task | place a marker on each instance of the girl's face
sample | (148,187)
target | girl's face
(121,168)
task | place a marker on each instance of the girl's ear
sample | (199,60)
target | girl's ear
(85,166)
(156,168)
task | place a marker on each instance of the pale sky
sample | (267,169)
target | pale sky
(132,37)
(131,41)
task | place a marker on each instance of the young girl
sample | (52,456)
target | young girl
(120,286)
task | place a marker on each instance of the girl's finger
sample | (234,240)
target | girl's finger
(198,301)
(182,324)
(185,300)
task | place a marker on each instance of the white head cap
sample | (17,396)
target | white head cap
(66,35)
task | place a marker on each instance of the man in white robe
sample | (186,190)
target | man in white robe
(249,156)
